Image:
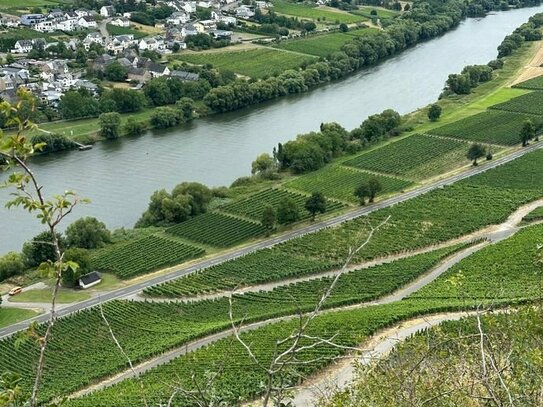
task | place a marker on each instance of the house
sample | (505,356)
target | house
(6,83)
(199,27)
(82,13)
(69,24)
(245,12)
(205,4)
(70,15)
(221,34)
(22,47)
(31,19)
(44,26)
(188,29)
(9,22)
(207,25)
(55,14)
(102,61)
(86,22)
(184,75)
(178,18)
(120,42)
(120,22)
(189,7)
(228,20)
(127,15)
(92,37)
(90,280)
(151,44)
(263,4)
(139,74)
(158,70)
(107,11)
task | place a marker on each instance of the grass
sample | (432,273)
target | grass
(382,13)
(9,4)
(116,30)
(255,63)
(316,13)
(65,296)
(9,316)
(323,45)
(534,83)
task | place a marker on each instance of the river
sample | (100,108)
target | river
(119,176)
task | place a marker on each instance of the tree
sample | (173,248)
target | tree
(164,117)
(268,218)
(315,203)
(82,258)
(374,187)
(133,127)
(527,132)
(87,233)
(11,264)
(186,107)
(475,152)
(116,72)
(10,58)
(343,27)
(41,249)
(362,192)
(287,211)
(264,166)
(110,125)
(434,112)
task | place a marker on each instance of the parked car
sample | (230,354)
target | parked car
(15,290)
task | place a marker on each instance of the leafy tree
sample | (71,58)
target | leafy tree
(110,125)
(268,218)
(264,166)
(374,187)
(75,104)
(315,203)
(134,127)
(116,72)
(164,117)
(11,264)
(362,192)
(123,100)
(310,26)
(343,27)
(475,152)
(10,58)
(82,258)
(527,132)
(186,107)
(52,142)
(87,233)
(287,211)
(434,112)
(41,249)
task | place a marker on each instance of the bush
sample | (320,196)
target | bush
(11,264)
(53,142)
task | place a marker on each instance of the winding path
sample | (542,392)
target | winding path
(270,242)
(379,344)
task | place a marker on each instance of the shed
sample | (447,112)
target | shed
(89,280)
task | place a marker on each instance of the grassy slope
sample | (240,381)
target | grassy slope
(65,296)
(9,316)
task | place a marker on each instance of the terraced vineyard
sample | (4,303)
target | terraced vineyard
(216,229)
(340,182)
(150,253)
(255,204)
(530,103)
(492,126)
(534,84)
(535,216)
(417,157)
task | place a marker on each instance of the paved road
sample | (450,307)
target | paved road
(184,270)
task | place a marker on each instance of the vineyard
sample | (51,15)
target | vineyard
(492,126)
(340,182)
(150,253)
(530,103)
(534,84)
(255,204)
(216,229)
(535,216)
(502,270)
(417,157)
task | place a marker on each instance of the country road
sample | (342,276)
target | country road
(220,258)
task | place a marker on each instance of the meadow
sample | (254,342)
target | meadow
(323,15)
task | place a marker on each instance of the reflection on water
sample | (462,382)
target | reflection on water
(119,176)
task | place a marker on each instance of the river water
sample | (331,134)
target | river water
(119,176)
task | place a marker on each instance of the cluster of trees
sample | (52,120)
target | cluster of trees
(52,142)
(470,77)
(167,116)
(166,91)
(205,41)
(149,15)
(82,235)
(186,200)
(368,190)
(526,32)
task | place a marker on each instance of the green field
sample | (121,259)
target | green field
(382,13)
(535,216)
(10,316)
(316,13)
(255,63)
(416,157)
(322,45)
(11,4)
(340,182)
(116,30)
(534,84)
(492,126)
(217,229)
(64,296)
(254,205)
(143,255)
(530,103)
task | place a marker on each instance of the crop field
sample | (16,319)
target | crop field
(322,45)
(530,103)
(502,270)
(492,126)
(255,63)
(140,256)
(255,268)
(534,216)
(340,182)
(534,84)
(416,157)
(316,13)
(216,229)
(255,204)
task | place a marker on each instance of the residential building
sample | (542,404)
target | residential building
(86,22)
(120,22)
(31,19)
(107,11)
